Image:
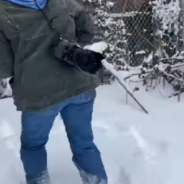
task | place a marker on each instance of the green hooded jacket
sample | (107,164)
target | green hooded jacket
(26,41)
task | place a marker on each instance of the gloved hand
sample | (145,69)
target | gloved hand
(87,60)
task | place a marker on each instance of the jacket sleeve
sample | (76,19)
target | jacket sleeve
(6,58)
(85,28)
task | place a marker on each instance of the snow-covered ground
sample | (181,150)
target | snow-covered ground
(136,148)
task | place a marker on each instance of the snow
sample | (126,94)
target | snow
(168,13)
(97,47)
(136,148)
(6,91)
(141,52)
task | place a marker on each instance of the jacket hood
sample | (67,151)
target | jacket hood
(38,4)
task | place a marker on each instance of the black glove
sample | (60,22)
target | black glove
(87,60)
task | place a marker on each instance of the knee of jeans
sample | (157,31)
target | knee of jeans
(33,144)
(84,147)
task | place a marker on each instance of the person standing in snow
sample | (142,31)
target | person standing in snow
(49,76)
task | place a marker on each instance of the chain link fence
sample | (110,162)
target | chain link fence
(155,26)
(139,33)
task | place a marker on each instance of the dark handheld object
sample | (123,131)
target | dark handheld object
(86,60)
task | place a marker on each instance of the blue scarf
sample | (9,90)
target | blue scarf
(39,4)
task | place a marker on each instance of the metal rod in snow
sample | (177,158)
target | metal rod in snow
(109,67)
(131,95)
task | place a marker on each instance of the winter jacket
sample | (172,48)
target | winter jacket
(26,41)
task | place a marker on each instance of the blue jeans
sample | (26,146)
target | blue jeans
(76,113)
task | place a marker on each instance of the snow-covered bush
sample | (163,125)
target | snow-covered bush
(166,14)
(110,29)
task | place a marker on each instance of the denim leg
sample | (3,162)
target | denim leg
(34,136)
(77,117)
